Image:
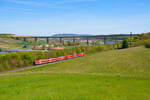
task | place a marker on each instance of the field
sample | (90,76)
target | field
(110,75)
(11,43)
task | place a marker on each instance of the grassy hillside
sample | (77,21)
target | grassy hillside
(135,61)
(10,43)
(111,75)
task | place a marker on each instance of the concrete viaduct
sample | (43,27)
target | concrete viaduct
(115,37)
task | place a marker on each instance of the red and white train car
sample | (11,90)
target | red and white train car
(51,60)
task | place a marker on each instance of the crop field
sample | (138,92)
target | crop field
(109,75)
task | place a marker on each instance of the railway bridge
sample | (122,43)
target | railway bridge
(114,37)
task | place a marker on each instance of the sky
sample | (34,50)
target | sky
(47,17)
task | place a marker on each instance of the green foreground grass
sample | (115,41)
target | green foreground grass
(112,75)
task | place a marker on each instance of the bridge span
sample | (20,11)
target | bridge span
(115,37)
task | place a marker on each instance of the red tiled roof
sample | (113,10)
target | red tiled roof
(57,48)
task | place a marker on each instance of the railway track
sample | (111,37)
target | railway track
(40,63)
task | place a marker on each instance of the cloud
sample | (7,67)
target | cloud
(74,1)
(25,2)
(47,3)
(59,4)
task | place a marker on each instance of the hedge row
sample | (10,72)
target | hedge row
(19,59)
(23,59)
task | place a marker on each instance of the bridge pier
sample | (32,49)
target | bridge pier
(24,39)
(74,40)
(105,39)
(87,42)
(116,39)
(47,40)
(35,39)
(60,39)
(17,38)
(130,39)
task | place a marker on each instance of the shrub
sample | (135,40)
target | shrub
(2,49)
(147,45)
(58,53)
(141,42)
(141,39)
(78,49)
(95,49)
(125,44)
(83,49)
(20,59)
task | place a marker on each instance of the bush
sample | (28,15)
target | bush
(147,45)
(20,59)
(125,44)
(141,39)
(95,49)
(2,50)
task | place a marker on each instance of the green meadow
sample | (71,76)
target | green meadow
(109,75)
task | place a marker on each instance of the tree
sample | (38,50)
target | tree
(125,44)
(35,45)
(0,49)
(43,47)
(70,43)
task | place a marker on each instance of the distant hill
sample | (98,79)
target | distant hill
(70,34)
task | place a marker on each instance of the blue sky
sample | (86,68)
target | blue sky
(46,17)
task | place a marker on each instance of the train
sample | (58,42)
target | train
(52,60)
